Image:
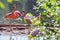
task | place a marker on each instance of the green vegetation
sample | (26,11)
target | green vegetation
(50,11)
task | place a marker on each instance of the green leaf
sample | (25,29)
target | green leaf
(42,29)
(2,5)
(29,14)
(59,14)
(44,5)
(45,13)
(52,1)
(57,8)
(50,10)
(57,19)
(32,21)
(24,21)
(37,22)
(9,1)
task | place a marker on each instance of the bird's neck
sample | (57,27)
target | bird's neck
(14,7)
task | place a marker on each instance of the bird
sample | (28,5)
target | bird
(26,18)
(29,18)
(12,15)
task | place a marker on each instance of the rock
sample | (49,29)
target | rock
(35,32)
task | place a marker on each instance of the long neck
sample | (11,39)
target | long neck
(14,7)
(23,14)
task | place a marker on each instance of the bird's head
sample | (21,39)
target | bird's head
(23,13)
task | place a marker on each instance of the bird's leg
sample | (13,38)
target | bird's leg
(10,28)
(10,24)
(14,7)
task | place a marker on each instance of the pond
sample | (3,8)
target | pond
(14,37)
(18,37)
(22,37)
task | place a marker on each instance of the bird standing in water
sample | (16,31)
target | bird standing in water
(11,16)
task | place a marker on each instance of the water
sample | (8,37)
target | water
(16,37)
(24,37)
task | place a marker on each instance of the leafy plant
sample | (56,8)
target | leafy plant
(50,11)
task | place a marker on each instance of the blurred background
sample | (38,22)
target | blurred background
(8,6)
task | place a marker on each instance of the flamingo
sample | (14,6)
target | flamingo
(24,17)
(12,15)
(29,18)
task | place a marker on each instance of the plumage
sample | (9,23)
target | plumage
(13,15)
